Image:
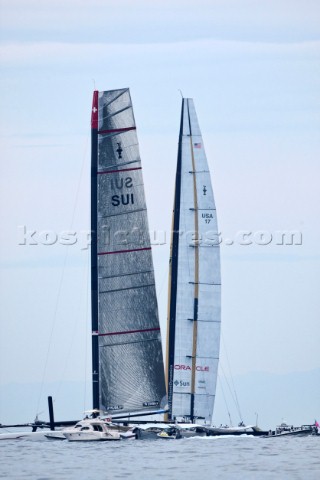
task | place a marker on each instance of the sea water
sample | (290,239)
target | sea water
(193,458)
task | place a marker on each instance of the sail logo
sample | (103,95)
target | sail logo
(119,150)
(123,199)
(207,216)
(181,383)
(155,403)
(187,367)
(119,183)
(115,407)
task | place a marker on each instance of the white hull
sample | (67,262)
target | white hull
(55,435)
(91,436)
(31,436)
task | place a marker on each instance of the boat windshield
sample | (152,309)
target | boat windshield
(97,428)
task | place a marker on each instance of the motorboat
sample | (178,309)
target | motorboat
(92,429)
(284,430)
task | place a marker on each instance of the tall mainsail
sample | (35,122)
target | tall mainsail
(193,335)
(128,372)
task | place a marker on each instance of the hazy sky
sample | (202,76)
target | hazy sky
(252,68)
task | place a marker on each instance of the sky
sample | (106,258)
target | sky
(252,68)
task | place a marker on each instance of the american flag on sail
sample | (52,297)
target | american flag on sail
(197,145)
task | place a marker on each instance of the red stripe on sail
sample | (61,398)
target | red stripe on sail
(129,331)
(116,171)
(125,251)
(116,130)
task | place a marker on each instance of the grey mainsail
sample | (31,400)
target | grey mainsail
(128,372)
(193,335)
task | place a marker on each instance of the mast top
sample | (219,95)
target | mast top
(94,113)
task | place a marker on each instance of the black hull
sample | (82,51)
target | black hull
(301,433)
(259,433)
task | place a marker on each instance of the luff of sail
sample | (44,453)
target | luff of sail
(128,374)
(193,333)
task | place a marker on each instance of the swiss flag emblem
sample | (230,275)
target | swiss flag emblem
(94,116)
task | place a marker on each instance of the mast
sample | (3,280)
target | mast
(94,257)
(193,329)
(173,276)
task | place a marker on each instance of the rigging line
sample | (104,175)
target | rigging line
(233,396)
(226,380)
(234,388)
(75,324)
(87,315)
(225,400)
(52,330)
(54,319)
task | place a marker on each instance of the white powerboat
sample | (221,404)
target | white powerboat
(92,429)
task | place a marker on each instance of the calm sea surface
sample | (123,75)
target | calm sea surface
(193,458)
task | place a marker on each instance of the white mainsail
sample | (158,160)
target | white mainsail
(128,374)
(193,336)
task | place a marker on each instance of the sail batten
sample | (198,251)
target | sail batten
(106,172)
(127,352)
(193,333)
(125,163)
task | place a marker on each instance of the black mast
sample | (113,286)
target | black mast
(94,253)
(174,273)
